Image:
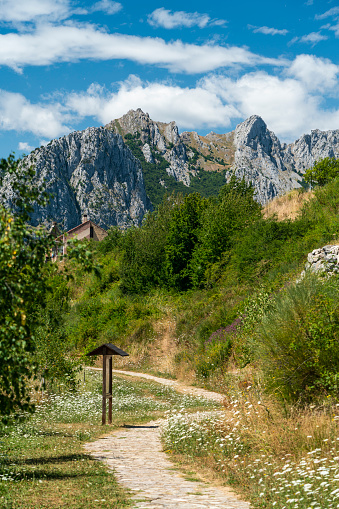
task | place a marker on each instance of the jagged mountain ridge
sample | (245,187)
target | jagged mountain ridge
(95,172)
(250,151)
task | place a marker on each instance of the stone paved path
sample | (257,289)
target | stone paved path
(135,455)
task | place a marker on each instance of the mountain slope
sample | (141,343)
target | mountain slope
(90,171)
(118,172)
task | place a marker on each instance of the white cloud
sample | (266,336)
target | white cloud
(316,73)
(334,28)
(24,10)
(313,38)
(167,19)
(49,44)
(189,107)
(331,12)
(19,114)
(267,30)
(285,104)
(291,103)
(107,6)
(25,147)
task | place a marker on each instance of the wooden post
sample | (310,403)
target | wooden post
(110,390)
(104,391)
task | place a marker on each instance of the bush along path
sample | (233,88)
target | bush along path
(135,455)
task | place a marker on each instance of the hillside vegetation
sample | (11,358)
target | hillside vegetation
(221,275)
(208,290)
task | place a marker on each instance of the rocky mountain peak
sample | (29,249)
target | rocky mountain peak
(252,129)
(95,171)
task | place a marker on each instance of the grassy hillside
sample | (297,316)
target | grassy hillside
(208,278)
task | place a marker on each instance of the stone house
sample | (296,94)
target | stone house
(86,230)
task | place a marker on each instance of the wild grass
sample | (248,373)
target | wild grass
(287,206)
(271,459)
(42,460)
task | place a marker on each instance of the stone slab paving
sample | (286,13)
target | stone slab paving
(135,455)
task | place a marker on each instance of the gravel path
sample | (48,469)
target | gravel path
(180,387)
(135,455)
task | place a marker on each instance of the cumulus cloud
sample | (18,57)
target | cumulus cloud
(167,19)
(267,30)
(286,104)
(190,107)
(19,114)
(292,103)
(49,44)
(316,73)
(23,10)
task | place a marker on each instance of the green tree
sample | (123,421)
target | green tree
(181,239)
(143,249)
(233,211)
(23,252)
(322,172)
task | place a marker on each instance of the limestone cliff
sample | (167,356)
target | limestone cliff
(93,172)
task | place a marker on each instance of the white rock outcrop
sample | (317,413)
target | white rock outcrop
(323,260)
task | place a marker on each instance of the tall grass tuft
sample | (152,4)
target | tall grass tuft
(297,341)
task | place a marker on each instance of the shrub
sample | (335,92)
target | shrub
(323,171)
(215,357)
(298,341)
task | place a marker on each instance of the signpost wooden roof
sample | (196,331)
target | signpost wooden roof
(107,349)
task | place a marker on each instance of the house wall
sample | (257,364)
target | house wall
(85,230)
(98,233)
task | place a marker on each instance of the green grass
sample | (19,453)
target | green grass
(42,460)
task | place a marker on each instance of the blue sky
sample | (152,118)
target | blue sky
(67,64)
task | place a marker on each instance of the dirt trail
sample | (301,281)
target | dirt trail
(178,386)
(135,455)
(165,348)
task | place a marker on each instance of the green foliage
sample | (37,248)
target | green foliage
(54,353)
(142,265)
(208,183)
(23,252)
(111,242)
(260,248)
(298,341)
(215,357)
(322,172)
(181,239)
(232,213)
(82,253)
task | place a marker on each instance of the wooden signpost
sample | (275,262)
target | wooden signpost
(107,350)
